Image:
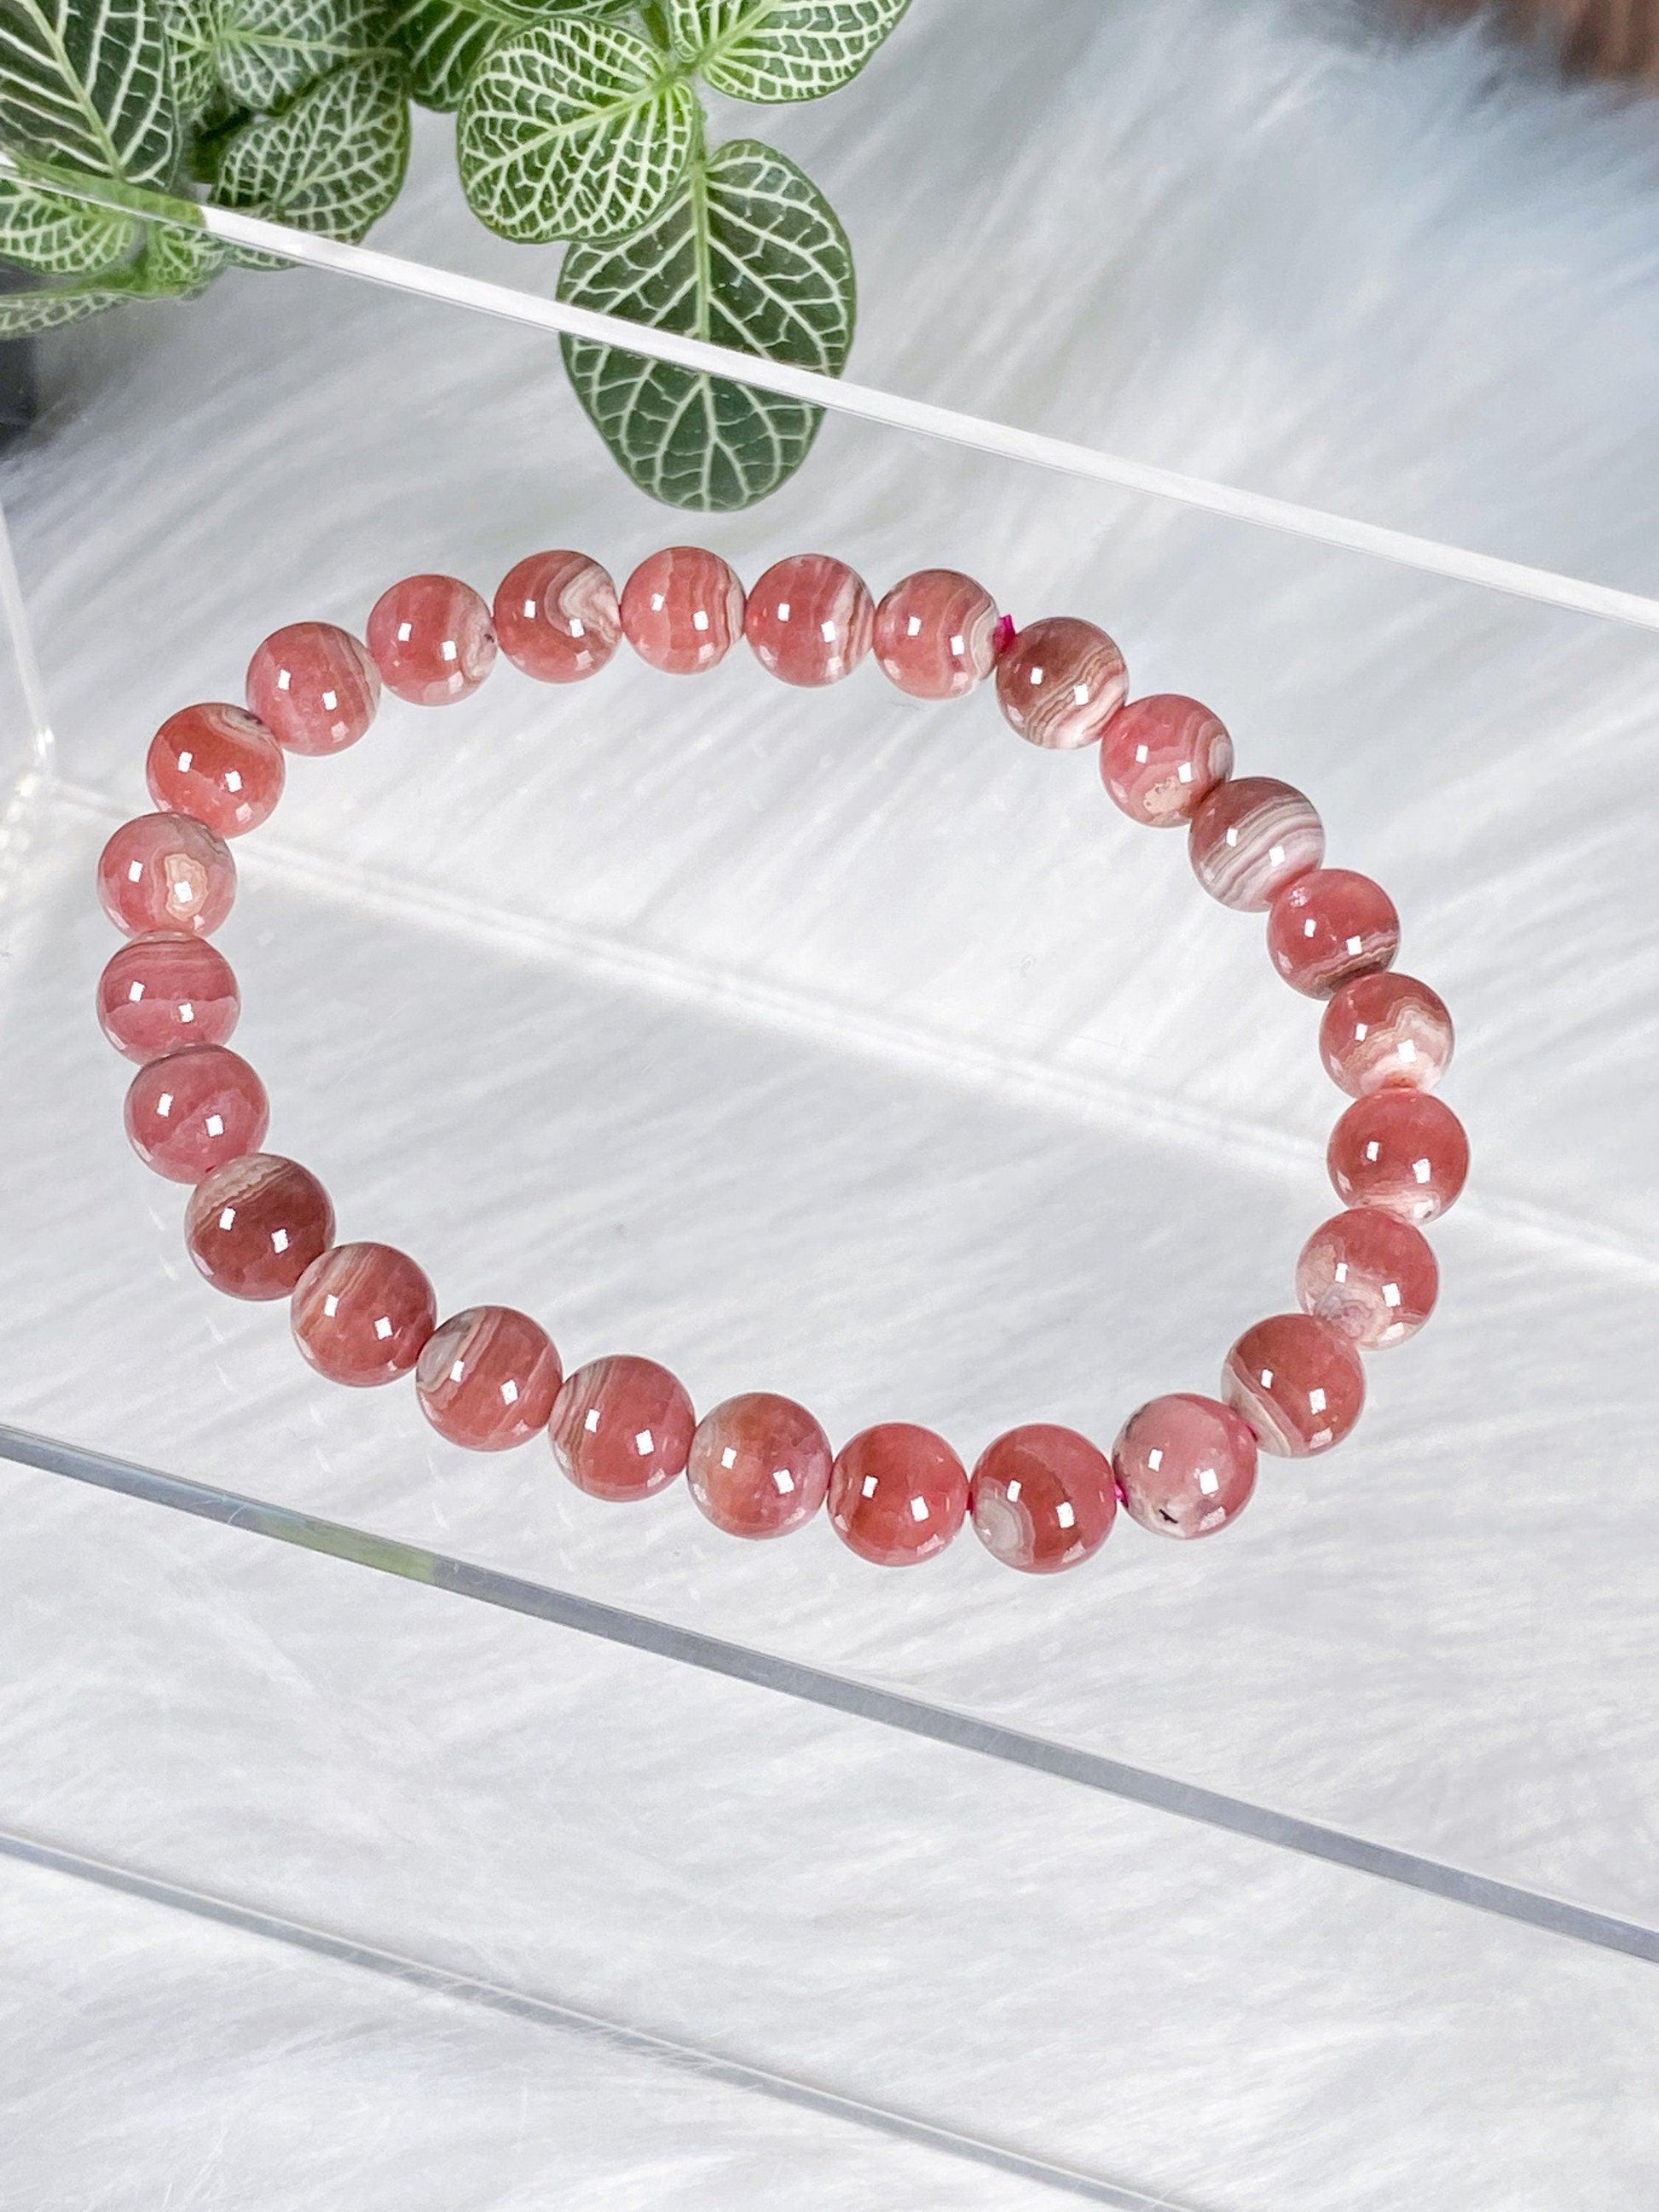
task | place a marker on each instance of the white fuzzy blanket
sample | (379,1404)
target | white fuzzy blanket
(828,1043)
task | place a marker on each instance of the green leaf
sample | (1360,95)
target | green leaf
(192,33)
(780,50)
(178,263)
(88,85)
(267,51)
(117,256)
(333,161)
(748,254)
(61,237)
(443,41)
(573,128)
(22,314)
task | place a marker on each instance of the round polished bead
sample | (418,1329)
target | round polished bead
(935,634)
(1043,1499)
(254,1225)
(190,1111)
(166,871)
(1252,837)
(217,763)
(488,1378)
(556,617)
(622,1427)
(1297,1382)
(160,993)
(1384,1032)
(1403,1150)
(1185,1464)
(1060,682)
(1161,756)
(432,640)
(810,620)
(1370,1276)
(1329,926)
(682,609)
(362,1314)
(897,1494)
(314,686)
(759,1465)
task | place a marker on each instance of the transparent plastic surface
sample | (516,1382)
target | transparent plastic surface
(830,1044)
(1085,1984)
(459,2073)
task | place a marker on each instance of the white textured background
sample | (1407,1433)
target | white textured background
(828,1043)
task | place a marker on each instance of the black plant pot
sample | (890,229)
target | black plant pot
(17,386)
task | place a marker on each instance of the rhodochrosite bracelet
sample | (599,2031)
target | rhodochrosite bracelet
(1041,1497)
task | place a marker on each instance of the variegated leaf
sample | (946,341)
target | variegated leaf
(61,237)
(748,254)
(573,128)
(178,263)
(266,51)
(443,41)
(192,32)
(773,51)
(87,82)
(333,161)
(22,314)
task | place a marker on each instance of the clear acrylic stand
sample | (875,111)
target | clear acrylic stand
(833,1045)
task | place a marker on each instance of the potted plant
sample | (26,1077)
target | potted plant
(576,120)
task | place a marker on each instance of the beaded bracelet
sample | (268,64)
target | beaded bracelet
(1041,1497)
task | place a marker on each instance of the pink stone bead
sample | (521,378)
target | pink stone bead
(1329,926)
(935,634)
(810,620)
(254,1225)
(1162,756)
(1185,1464)
(682,609)
(190,1111)
(1060,682)
(622,1427)
(897,1494)
(1297,1382)
(314,687)
(1370,1276)
(1043,1499)
(1403,1150)
(432,640)
(217,763)
(759,1465)
(1384,1032)
(166,871)
(556,617)
(362,1314)
(1252,837)
(165,991)
(488,1378)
